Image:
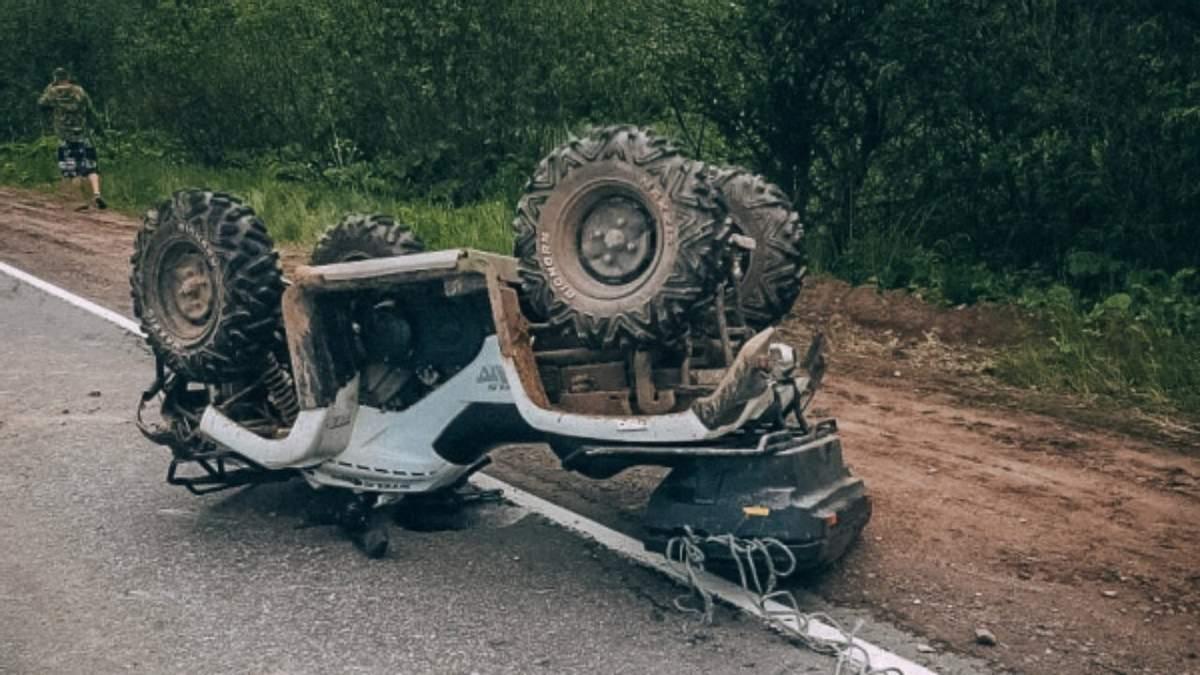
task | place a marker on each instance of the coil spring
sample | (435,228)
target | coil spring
(281,390)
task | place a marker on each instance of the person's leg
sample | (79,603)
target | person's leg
(94,179)
(66,169)
(73,165)
(80,194)
(92,168)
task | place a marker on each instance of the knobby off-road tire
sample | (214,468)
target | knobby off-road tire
(769,277)
(616,236)
(362,237)
(206,286)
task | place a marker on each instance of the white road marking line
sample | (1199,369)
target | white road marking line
(67,296)
(621,544)
(632,549)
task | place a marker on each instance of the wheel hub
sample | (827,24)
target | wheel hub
(193,290)
(185,283)
(616,242)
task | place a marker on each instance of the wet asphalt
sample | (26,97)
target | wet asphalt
(106,568)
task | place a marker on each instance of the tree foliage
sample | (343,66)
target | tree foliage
(1056,135)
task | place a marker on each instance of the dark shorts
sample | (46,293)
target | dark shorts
(76,159)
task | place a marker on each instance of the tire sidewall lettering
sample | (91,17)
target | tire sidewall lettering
(558,282)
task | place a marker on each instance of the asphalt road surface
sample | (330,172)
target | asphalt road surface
(105,568)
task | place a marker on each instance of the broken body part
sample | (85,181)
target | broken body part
(743,458)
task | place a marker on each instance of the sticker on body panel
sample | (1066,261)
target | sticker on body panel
(493,378)
(632,424)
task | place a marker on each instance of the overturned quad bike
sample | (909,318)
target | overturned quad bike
(632,327)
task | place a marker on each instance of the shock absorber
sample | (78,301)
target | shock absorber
(281,390)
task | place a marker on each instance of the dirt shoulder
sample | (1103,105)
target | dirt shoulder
(1072,536)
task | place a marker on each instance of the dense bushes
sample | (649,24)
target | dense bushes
(1020,133)
(448,96)
(972,148)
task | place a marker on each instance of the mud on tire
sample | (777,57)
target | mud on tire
(362,237)
(206,286)
(769,277)
(616,235)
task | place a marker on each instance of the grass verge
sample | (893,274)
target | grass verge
(1140,346)
(294,211)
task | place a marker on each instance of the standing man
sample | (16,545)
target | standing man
(72,109)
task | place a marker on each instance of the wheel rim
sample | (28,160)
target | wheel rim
(186,290)
(616,241)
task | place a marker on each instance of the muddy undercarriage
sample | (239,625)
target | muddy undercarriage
(636,331)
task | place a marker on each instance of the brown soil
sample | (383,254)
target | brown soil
(1073,535)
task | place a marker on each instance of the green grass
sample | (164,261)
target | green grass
(1142,347)
(294,211)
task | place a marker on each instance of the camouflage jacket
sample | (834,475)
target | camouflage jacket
(72,109)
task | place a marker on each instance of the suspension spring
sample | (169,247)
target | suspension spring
(281,390)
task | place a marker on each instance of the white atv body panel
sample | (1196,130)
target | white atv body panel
(364,448)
